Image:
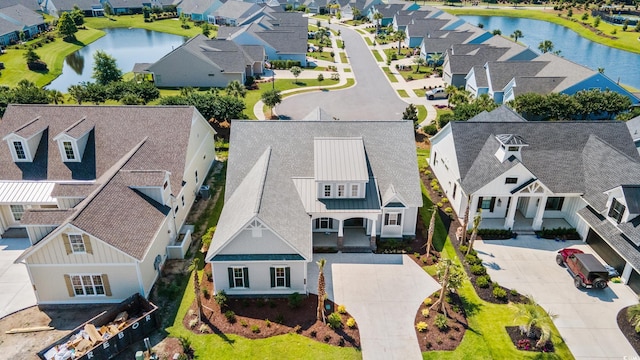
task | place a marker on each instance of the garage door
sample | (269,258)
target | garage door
(605,251)
(634,281)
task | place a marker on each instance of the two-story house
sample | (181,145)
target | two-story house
(296,186)
(102,192)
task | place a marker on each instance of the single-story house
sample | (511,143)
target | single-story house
(527,176)
(204,62)
(103,193)
(296,186)
(198,10)
(18,19)
(57,7)
(236,13)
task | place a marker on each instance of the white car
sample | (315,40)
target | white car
(437,93)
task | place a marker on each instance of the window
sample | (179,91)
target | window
(513,148)
(324,223)
(196,176)
(183,200)
(77,244)
(68,150)
(17,211)
(616,210)
(511,180)
(238,277)
(280,277)
(20,154)
(327,191)
(355,190)
(455,187)
(392,219)
(166,183)
(435,158)
(486,203)
(86,285)
(554,203)
(176,209)
(341,190)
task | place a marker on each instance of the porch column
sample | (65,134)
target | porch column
(473,210)
(373,235)
(511,215)
(340,234)
(537,221)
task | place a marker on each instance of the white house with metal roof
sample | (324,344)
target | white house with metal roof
(527,176)
(102,193)
(295,187)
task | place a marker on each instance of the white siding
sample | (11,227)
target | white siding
(445,168)
(409,221)
(269,243)
(181,68)
(260,278)
(497,188)
(36,233)
(158,247)
(68,203)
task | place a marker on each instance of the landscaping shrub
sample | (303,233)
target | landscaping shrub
(430,129)
(463,249)
(231,316)
(203,329)
(267,323)
(441,322)
(427,302)
(243,323)
(422,326)
(334,320)
(499,293)
(482,282)
(221,298)
(205,293)
(255,329)
(425,312)
(193,323)
(514,292)
(472,259)
(448,210)
(351,323)
(295,300)
(342,309)
(478,269)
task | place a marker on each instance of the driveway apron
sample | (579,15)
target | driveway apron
(15,287)
(372,98)
(586,318)
(383,293)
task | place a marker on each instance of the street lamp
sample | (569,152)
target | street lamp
(273,78)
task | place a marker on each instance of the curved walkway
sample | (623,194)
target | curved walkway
(383,293)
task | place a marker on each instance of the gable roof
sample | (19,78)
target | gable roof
(501,114)
(535,84)
(463,57)
(67,5)
(501,72)
(195,6)
(556,66)
(239,10)
(514,48)
(30,4)
(632,197)
(21,15)
(339,159)
(286,32)
(318,114)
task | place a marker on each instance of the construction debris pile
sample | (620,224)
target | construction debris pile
(87,338)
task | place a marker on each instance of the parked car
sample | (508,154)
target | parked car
(587,271)
(437,93)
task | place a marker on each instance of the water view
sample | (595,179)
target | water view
(127,46)
(619,65)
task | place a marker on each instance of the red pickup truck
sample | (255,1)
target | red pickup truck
(587,271)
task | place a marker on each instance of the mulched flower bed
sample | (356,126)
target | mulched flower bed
(433,338)
(628,330)
(522,342)
(258,318)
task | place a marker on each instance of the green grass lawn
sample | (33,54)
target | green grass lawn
(387,72)
(171,26)
(415,75)
(420,92)
(422,113)
(486,337)
(368,41)
(361,31)
(423,156)
(339,43)
(347,69)
(376,54)
(325,55)
(403,93)
(626,40)
(52,53)
(343,58)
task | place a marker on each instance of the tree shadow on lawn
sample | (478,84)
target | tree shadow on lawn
(74,41)
(207,321)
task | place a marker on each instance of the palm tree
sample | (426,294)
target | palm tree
(434,59)
(432,228)
(196,285)
(236,89)
(474,233)
(377,17)
(460,97)
(419,60)
(533,315)
(517,35)
(465,224)
(450,276)
(400,36)
(321,291)
(55,96)
(545,46)
(78,93)
(450,90)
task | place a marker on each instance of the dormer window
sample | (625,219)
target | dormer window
(68,150)
(513,148)
(327,191)
(341,190)
(616,210)
(355,190)
(19,149)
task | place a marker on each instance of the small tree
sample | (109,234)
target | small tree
(497,32)
(450,276)
(419,61)
(296,70)
(531,314)
(108,10)
(55,96)
(271,98)
(545,46)
(206,29)
(434,59)
(377,17)
(465,224)
(67,27)
(517,34)
(322,294)
(196,285)
(410,113)
(31,56)
(105,68)
(400,36)
(432,228)
(320,79)
(146,13)
(236,89)
(474,233)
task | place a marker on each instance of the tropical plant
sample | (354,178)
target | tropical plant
(322,294)
(399,36)
(474,232)
(419,61)
(410,113)
(633,315)
(517,34)
(377,17)
(432,229)
(334,320)
(531,314)
(55,96)
(196,285)
(434,59)
(545,46)
(235,89)
(450,276)
(271,98)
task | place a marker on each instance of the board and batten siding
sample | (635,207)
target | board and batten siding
(37,233)
(260,277)
(158,247)
(55,252)
(51,287)
(267,243)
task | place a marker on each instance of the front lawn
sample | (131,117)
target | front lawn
(403,93)
(171,26)
(376,54)
(420,92)
(343,58)
(391,76)
(422,113)
(325,55)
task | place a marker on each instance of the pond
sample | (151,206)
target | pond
(619,65)
(127,46)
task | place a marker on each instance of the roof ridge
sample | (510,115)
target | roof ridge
(27,124)
(267,154)
(74,124)
(596,137)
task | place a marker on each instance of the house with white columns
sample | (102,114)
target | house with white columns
(526,176)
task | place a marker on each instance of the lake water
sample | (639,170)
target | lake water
(618,65)
(127,46)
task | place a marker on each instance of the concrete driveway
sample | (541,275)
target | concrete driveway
(372,98)
(383,293)
(586,318)
(15,287)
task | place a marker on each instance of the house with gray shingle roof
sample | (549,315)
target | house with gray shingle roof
(634,129)
(16,19)
(102,192)
(198,10)
(57,7)
(236,13)
(204,62)
(530,175)
(294,187)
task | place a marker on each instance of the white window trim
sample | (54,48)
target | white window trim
(283,276)
(73,151)
(84,247)
(393,219)
(355,187)
(73,286)
(324,190)
(325,221)
(14,152)
(344,191)
(241,269)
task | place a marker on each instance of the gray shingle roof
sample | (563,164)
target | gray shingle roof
(514,48)
(465,58)
(21,14)
(238,10)
(443,42)
(485,166)
(67,5)
(481,76)
(625,246)
(77,190)
(501,72)
(422,27)
(126,139)
(49,217)
(560,67)
(30,4)
(319,114)
(534,84)
(565,156)
(286,32)
(195,6)
(501,114)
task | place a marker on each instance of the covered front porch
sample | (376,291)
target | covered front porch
(523,224)
(349,235)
